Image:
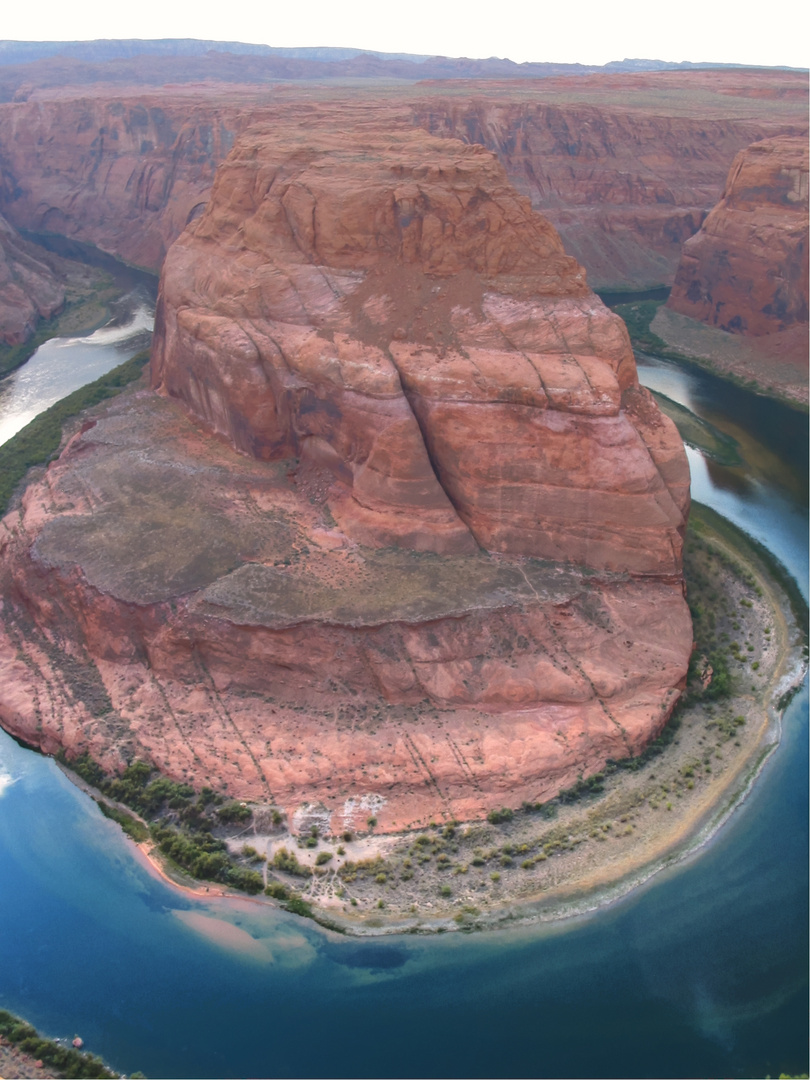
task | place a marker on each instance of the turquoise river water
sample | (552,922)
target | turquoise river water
(702,972)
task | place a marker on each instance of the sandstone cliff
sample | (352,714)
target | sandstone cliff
(625,189)
(166,598)
(407,373)
(29,289)
(624,166)
(746,270)
(125,175)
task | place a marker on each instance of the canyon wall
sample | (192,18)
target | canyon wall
(624,186)
(746,269)
(625,167)
(29,288)
(123,174)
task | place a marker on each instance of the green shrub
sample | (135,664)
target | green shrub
(298,906)
(286,862)
(235,812)
(249,881)
(131,826)
(499,817)
(594,785)
(61,1059)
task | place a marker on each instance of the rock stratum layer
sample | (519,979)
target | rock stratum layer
(624,166)
(431,564)
(745,271)
(29,289)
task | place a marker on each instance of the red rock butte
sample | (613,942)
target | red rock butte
(432,562)
(745,270)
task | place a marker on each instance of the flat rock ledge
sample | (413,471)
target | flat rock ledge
(168,598)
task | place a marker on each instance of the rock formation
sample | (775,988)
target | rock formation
(123,174)
(29,290)
(745,271)
(430,566)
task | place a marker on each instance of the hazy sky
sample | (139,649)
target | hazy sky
(585,31)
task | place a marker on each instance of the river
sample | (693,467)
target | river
(62,365)
(701,972)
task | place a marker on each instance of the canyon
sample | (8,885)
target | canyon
(30,290)
(624,166)
(395,533)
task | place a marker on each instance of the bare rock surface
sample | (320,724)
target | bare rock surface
(166,598)
(745,271)
(412,329)
(625,166)
(29,289)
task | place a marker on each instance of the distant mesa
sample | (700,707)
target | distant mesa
(104,50)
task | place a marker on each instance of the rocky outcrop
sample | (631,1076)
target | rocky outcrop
(29,289)
(746,270)
(167,598)
(412,328)
(430,566)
